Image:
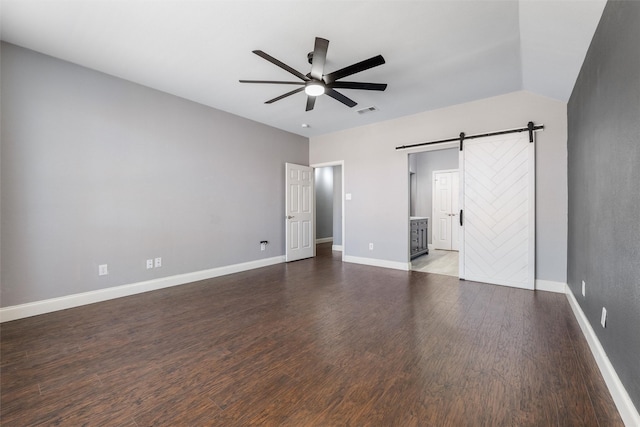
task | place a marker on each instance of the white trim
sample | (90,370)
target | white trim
(462,207)
(550,286)
(434,147)
(621,398)
(324,240)
(336,247)
(325,164)
(405,266)
(69,301)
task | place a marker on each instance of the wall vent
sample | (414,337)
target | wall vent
(367,110)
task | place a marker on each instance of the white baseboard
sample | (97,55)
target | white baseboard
(336,248)
(621,398)
(47,306)
(406,266)
(550,286)
(324,240)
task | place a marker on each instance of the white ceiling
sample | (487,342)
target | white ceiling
(438,53)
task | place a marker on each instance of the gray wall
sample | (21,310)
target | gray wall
(425,164)
(376,174)
(337,205)
(98,170)
(604,189)
(324,202)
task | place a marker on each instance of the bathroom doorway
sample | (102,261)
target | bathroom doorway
(422,192)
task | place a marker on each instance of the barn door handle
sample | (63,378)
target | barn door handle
(460,217)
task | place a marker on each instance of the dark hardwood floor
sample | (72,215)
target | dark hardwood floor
(311,343)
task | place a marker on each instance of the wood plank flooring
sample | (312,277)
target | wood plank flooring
(311,343)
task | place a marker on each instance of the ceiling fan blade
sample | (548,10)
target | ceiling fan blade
(358,85)
(281,65)
(271,82)
(319,58)
(311,101)
(353,69)
(340,97)
(278,98)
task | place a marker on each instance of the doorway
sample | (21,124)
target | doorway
(329,205)
(497,208)
(423,169)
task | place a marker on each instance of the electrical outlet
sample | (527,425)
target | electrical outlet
(584,286)
(603,319)
(370,246)
(103,270)
(263,245)
(149,264)
(158,262)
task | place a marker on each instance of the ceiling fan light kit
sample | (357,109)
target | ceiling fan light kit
(316,83)
(314,88)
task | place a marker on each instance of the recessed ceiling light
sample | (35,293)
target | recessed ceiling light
(306,125)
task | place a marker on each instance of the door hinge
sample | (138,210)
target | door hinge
(460,217)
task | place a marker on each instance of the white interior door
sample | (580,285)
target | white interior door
(498,202)
(445,227)
(299,212)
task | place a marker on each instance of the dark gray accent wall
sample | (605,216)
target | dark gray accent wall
(98,170)
(324,202)
(604,188)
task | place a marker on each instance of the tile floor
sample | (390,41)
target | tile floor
(437,261)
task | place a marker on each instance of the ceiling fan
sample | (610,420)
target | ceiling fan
(317,83)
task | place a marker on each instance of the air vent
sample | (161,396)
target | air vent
(367,110)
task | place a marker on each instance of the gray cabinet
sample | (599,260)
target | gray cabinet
(419,245)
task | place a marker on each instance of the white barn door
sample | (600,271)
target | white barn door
(498,204)
(299,212)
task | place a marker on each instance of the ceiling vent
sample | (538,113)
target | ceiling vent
(367,110)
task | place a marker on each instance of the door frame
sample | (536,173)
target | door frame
(322,165)
(433,205)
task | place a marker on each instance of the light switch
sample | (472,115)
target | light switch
(103,270)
